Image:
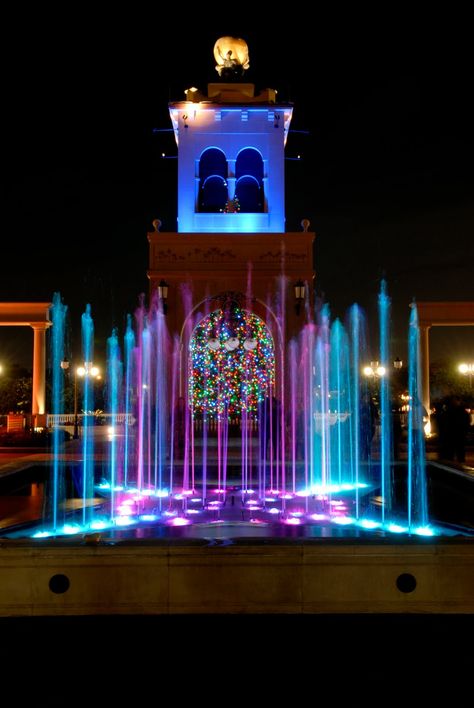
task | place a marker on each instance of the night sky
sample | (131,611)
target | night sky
(386,177)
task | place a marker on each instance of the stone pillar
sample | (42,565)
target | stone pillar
(425,364)
(39,372)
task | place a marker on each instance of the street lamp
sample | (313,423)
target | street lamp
(374,370)
(467,370)
(88,369)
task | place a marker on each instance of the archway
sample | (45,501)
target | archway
(439,314)
(231,363)
(36,316)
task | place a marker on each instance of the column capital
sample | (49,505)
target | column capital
(40,325)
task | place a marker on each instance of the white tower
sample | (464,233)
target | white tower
(231,145)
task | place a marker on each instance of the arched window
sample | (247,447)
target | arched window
(250,194)
(249,162)
(249,176)
(213,193)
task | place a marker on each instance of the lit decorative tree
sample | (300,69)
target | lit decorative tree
(232,363)
(232,206)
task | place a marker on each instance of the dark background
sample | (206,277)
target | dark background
(386,175)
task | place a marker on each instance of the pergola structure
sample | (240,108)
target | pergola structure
(35,315)
(439,314)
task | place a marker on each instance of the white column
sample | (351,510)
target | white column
(39,370)
(425,365)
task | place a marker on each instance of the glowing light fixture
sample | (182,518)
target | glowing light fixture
(374,370)
(467,370)
(250,344)
(232,343)
(300,290)
(162,290)
(213,344)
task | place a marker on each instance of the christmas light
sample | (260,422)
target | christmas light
(226,375)
(232,206)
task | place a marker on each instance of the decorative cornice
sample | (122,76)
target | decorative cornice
(197,255)
(272,256)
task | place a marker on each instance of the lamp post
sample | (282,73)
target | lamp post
(163,295)
(65,367)
(467,370)
(374,370)
(87,370)
(300,289)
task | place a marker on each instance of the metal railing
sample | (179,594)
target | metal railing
(101,418)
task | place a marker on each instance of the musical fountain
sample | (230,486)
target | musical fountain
(234,413)
(219,450)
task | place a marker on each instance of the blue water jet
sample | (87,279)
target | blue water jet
(386,476)
(58,312)
(355,330)
(87,420)
(417,503)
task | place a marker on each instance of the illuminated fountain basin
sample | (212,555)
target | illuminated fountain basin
(235,513)
(210,439)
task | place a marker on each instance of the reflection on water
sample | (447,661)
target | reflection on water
(22,507)
(24,500)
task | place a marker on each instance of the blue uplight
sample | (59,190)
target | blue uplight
(424,531)
(369,524)
(396,528)
(98,525)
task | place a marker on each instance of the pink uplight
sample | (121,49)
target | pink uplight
(124,510)
(318,517)
(179,521)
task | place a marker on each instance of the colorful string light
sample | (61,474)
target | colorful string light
(232,363)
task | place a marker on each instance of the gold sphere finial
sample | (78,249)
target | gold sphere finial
(305,224)
(232,57)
